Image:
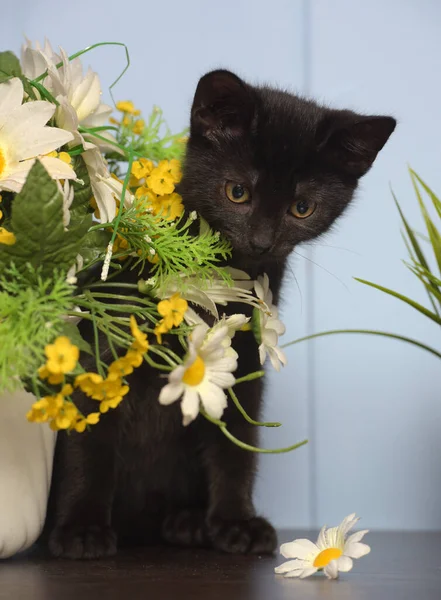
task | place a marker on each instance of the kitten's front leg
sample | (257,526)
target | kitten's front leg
(232,524)
(83,486)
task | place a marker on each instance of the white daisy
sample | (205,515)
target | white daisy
(203,376)
(333,552)
(269,327)
(24,136)
(233,323)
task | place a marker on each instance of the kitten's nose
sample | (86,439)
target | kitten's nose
(261,243)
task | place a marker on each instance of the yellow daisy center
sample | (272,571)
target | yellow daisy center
(2,162)
(326,556)
(195,373)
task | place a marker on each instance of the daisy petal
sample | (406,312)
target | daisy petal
(331,570)
(299,549)
(348,523)
(357,536)
(308,572)
(57,168)
(344,564)
(190,406)
(213,399)
(357,550)
(291,565)
(170,393)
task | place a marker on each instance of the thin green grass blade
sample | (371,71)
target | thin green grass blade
(435,200)
(419,307)
(393,336)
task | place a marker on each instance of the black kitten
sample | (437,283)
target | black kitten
(269,170)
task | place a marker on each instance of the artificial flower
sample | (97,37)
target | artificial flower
(24,136)
(141,343)
(267,325)
(142,168)
(127,106)
(138,126)
(161,180)
(62,356)
(72,89)
(91,419)
(53,378)
(106,189)
(333,551)
(207,294)
(172,310)
(202,377)
(7,237)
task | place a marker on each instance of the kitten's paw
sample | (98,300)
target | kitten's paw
(185,528)
(80,542)
(251,536)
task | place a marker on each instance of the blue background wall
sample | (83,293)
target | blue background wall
(371,407)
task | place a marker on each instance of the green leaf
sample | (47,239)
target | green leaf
(94,245)
(71,331)
(435,238)
(435,200)
(37,221)
(82,191)
(422,309)
(415,245)
(9,66)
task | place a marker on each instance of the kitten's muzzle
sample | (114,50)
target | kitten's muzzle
(261,242)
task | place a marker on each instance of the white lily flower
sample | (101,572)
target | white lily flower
(24,137)
(203,376)
(82,93)
(106,189)
(333,552)
(269,326)
(217,291)
(67,192)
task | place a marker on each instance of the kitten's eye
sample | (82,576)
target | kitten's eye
(303,209)
(236,192)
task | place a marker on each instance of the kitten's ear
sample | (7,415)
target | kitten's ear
(351,143)
(222,102)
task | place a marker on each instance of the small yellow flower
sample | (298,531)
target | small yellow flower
(121,366)
(142,168)
(91,419)
(66,417)
(160,180)
(65,157)
(7,237)
(126,121)
(141,343)
(138,126)
(134,357)
(171,206)
(110,403)
(1,212)
(175,170)
(44,373)
(160,328)
(113,121)
(172,310)
(127,106)
(88,382)
(62,356)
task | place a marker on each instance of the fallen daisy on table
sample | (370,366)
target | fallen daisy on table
(333,552)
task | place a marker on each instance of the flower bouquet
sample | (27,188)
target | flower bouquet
(88,207)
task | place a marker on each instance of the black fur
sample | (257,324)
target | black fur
(139,476)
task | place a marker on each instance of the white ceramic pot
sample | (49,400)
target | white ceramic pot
(26,453)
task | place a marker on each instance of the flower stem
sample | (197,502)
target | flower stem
(245,415)
(250,377)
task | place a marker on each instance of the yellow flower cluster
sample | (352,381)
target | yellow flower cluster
(172,312)
(129,112)
(157,185)
(110,391)
(62,357)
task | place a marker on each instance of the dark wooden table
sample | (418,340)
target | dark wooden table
(401,566)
